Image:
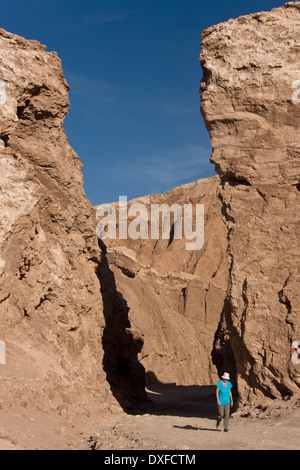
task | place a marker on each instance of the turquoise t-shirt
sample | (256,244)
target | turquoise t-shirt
(224,392)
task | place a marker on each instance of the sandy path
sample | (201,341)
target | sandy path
(182,418)
(185,420)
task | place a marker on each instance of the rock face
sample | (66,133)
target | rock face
(83,322)
(51,307)
(175,297)
(249,103)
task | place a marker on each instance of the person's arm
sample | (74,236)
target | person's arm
(217,394)
(231,400)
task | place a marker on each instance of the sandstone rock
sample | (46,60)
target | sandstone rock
(51,310)
(175,297)
(250,68)
(76,320)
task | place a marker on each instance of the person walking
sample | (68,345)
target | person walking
(224,400)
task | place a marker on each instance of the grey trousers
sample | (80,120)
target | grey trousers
(223,413)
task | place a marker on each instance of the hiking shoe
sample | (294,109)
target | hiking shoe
(226,430)
(217,425)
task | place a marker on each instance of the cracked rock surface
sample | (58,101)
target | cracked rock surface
(175,296)
(250,66)
(51,307)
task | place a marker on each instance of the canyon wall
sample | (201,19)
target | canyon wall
(250,68)
(82,321)
(52,318)
(175,296)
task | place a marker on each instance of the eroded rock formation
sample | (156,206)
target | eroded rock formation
(175,296)
(250,66)
(51,307)
(75,316)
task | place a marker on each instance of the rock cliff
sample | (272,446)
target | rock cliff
(82,321)
(51,306)
(249,103)
(175,296)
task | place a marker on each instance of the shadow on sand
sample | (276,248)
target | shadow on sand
(126,375)
(181,400)
(188,427)
(194,401)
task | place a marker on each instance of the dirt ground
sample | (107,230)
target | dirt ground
(181,418)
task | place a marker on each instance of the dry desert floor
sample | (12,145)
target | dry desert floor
(181,418)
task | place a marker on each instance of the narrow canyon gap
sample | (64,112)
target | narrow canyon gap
(179,316)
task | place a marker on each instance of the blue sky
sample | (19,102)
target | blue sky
(134,71)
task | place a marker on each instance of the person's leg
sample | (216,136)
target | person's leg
(226,416)
(221,411)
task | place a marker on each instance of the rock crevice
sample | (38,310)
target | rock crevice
(51,308)
(250,65)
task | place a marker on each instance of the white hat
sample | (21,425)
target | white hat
(225,376)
